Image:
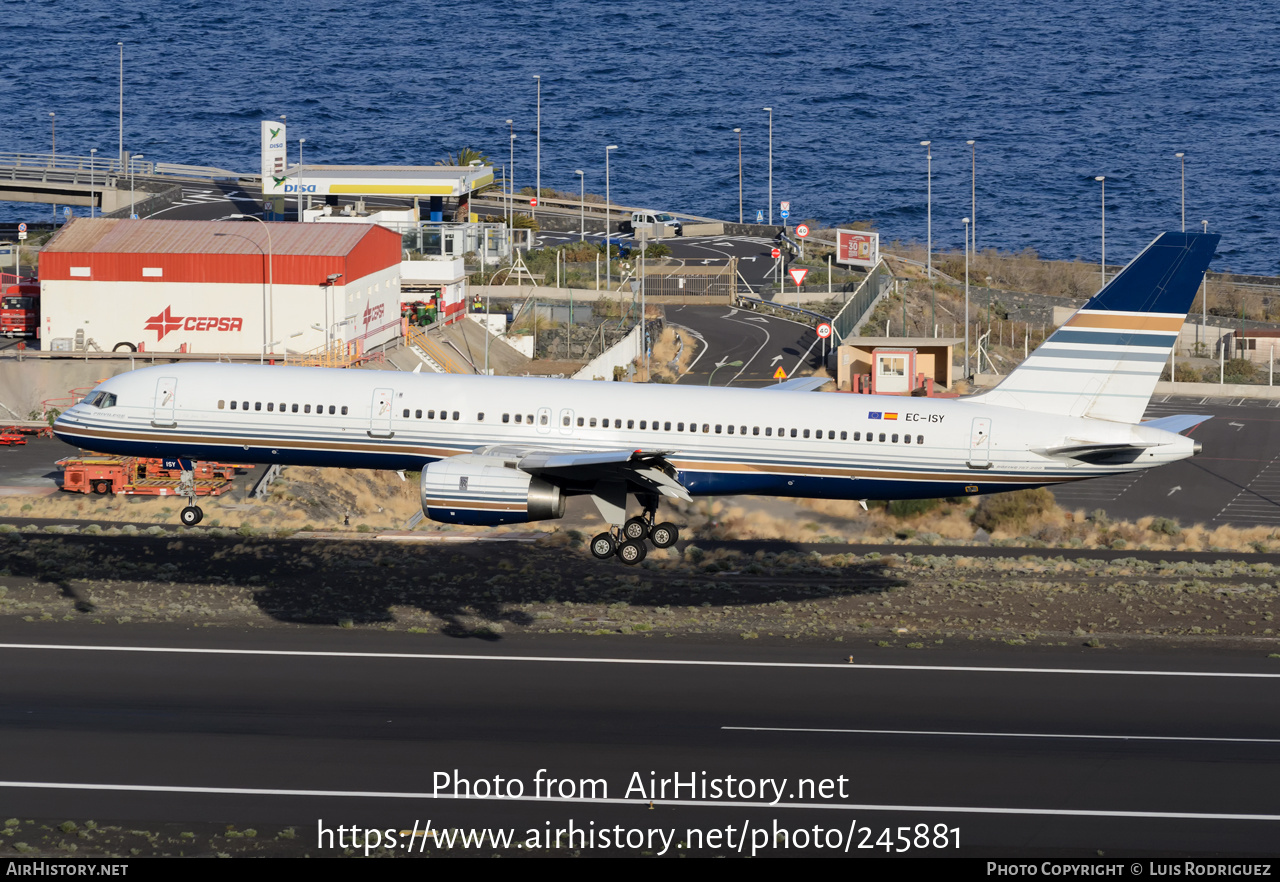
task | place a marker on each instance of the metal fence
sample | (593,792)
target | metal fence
(862,301)
(712,284)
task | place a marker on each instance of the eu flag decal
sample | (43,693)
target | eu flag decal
(874,415)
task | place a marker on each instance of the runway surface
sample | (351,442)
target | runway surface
(1046,753)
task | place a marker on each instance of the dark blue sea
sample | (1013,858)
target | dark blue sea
(1053,94)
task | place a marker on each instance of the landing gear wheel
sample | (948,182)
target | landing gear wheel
(191,515)
(664,535)
(603,547)
(636,528)
(631,552)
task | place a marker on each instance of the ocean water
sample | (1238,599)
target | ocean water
(1052,95)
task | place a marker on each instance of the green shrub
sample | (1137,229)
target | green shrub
(909,508)
(1013,510)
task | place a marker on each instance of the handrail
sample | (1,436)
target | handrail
(420,339)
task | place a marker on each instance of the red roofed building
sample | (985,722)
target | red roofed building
(219,286)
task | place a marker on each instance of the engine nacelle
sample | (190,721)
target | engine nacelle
(487,490)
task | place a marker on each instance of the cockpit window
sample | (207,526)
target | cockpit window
(101,399)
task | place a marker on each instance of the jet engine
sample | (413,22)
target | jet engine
(485,491)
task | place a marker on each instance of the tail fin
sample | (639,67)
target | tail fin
(1105,361)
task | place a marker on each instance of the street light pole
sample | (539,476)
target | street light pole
(93,182)
(770,109)
(53,151)
(1102,179)
(121,156)
(608,218)
(270,281)
(301,141)
(1182,158)
(582,208)
(537,181)
(973,193)
(511,184)
(739,134)
(933,304)
(966,297)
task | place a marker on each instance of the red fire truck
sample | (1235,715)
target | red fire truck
(19,306)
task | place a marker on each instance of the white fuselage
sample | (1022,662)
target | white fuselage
(719,440)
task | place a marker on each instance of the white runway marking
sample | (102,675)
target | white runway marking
(691,803)
(432,656)
(1058,735)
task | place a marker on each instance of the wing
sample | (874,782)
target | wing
(584,471)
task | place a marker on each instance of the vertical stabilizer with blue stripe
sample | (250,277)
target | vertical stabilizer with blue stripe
(1105,361)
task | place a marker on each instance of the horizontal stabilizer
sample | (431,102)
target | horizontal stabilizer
(800,384)
(1178,423)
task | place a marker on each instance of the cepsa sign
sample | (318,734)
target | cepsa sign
(855,248)
(166,321)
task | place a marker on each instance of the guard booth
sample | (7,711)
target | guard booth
(895,365)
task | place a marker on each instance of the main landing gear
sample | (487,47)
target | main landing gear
(627,542)
(191,514)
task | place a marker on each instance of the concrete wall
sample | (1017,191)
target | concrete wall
(621,354)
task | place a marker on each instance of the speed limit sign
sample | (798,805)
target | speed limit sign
(775,253)
(824,330)
(802,230)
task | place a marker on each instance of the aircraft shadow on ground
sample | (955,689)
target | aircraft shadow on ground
(470,588)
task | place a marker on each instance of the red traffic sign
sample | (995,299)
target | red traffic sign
(802,230)
(775,253)
(824,330)
(798,275)
(533,201)
(22,228)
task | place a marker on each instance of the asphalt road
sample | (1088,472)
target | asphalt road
(1043,755)
(762,343)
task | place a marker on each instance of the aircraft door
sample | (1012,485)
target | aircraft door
(980,444)
(380,414)
(566,422)
(166,392)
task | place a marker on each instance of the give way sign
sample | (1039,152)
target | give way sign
(798,275)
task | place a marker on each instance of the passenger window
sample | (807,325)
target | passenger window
(244,405)
(768,431)
(755,430)
(717,428)
(919,439)
(506,417)
(480,418)
(643,423)
(806,433)
(417,414)
(844,436)
(271,406)
(406,413)
(344,410)
(793,433)
(744,430)
(882,437)
(894,439)
(631,424)
(545,421)
(906,439)
(604,423)
(593,422)
(332,409)
(529,420)
(731,430)
(221,402)
(282,406)
(306,408)
(519,418)
(580,421)
(666,427)
(565,421)
(233,405)
(294,408)
(257,405)
(679,427)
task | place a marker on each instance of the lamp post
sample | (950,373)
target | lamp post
(1182,158)
(582,209)
(608,217)
(93,154)
(1102,179)
(770,110)
(301,141)
(973,193)
(133,211)
(270,281)
(933,305)
(329,282)
(511,185)
(53,150)
(121,156)
(537,180)
(738,132)
(966,297)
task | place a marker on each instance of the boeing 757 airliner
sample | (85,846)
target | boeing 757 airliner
(500,450)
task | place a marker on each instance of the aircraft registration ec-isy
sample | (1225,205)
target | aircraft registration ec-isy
(501,450)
